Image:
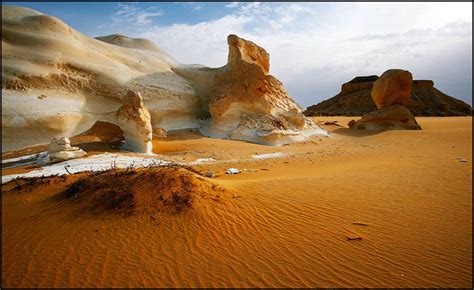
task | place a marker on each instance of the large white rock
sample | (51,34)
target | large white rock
(59,144)
(245,102)
(59,149)
(135,122)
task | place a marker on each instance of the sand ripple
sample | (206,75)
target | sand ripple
(288,228)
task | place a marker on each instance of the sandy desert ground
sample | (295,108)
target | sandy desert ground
(358,209)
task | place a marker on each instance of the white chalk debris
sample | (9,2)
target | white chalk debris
(202,160)
(100,162)
(268,155)
(232,171)
(26,158)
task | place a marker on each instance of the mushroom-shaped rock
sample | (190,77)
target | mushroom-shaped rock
(391,88)
(59,149)
(135,122)
(395,117)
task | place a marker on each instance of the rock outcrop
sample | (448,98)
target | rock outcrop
(390,92)
(59,149)
(395,117)
(135,122)
(391,88)
(355,100)
(245,102)
(58,82)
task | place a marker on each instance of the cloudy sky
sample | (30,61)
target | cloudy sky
(314,47)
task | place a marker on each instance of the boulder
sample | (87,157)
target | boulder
(135,122)
(395,117)
(59,149)
(391,88)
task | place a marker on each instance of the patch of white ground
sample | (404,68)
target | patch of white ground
(95,163)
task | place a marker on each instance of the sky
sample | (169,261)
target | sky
(314,47)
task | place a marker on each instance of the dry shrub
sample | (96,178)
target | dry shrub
(148,190)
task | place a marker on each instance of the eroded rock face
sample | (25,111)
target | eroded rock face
(252,105)
(81,80)
(243,52)
(86,83)
(245,102)
(391,88)
(395,117)
(135,122)
(59,149)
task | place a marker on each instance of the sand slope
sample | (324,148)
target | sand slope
(285,225)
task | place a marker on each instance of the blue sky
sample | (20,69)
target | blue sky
(91,17)
(314,47)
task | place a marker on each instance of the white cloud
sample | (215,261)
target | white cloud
(315,47)
(270,17)
(204,43)
(233,5)
(134,15)
(193,5)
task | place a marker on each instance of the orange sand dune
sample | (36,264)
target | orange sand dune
(406,194)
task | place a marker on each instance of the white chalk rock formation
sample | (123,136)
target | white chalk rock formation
(59,149)
(135,122)
(245,102)
(58,82)
(81,80)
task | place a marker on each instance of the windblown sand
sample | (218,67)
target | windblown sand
(391,209)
